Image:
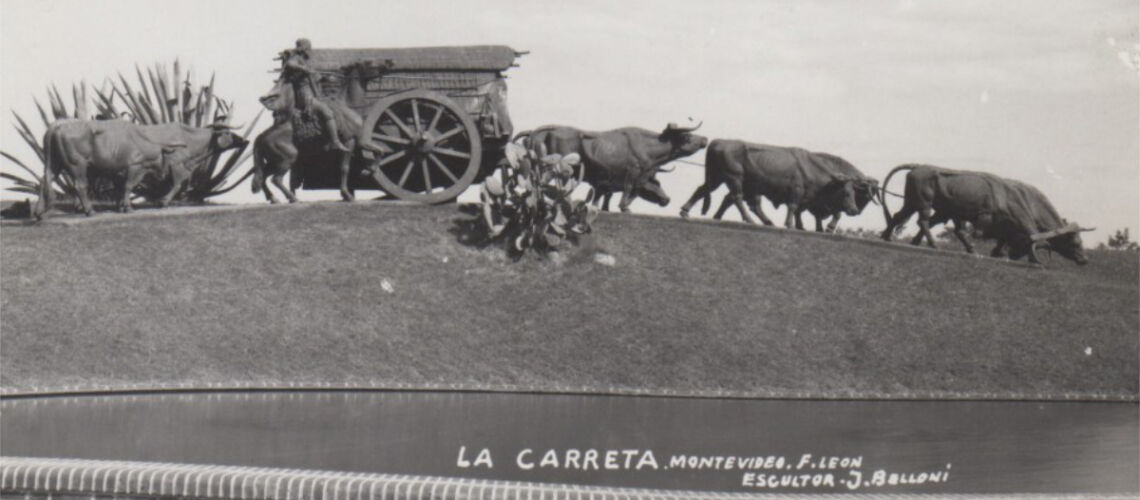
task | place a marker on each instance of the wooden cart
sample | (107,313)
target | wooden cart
(434,118)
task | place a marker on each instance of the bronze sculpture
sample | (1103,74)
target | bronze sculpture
(296,71)
(170,150)
(420,124)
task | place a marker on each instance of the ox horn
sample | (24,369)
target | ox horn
(673,127)
(221,124)
(876,194)
(876,191)
(1071,227)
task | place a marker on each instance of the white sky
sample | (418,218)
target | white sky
(1045,92)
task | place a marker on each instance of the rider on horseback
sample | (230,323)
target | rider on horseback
(296,71)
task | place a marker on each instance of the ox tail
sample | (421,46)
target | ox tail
(886,181)
(258,168)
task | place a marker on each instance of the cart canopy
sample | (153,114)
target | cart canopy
(492,58)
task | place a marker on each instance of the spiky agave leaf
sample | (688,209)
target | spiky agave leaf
(142,113)
(105,104)
(21,164)
(246,175)
(143,99)
(188,99)
(159,97)
(79,96)
(43,116)
(176,113)
(28,190)
(208,101)
(19,181)
(197,114)
(60,109)
(29,138)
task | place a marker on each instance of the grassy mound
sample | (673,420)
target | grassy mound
(390,295)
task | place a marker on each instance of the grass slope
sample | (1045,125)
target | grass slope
(297,294)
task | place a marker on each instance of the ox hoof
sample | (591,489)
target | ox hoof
(684,214)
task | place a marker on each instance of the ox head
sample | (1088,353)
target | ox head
(652,192)
(866,191)
(844,193)
(222,136)
(683,141)
(1065,241)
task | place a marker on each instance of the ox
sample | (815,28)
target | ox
(116,147)
(823,184)
(624,159)
(1015,214)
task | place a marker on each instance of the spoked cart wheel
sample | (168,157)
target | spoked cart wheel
(426,147)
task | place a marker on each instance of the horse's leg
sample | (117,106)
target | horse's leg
(265,186)
(345,165)
(279,181)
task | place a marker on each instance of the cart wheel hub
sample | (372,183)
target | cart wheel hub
(424,145)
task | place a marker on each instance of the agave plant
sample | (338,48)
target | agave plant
(161,96)
(158,99)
